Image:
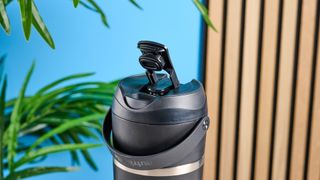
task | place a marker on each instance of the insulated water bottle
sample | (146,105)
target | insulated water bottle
(156,127)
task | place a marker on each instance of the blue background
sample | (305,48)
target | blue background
(84,44)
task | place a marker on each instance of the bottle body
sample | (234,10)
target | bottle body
(145,139)
(157,126)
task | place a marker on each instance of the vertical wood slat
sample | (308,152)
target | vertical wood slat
(314,157)
(266,96)
(247,105)
(304,74)
(288,39)
(213,87)
(230,88)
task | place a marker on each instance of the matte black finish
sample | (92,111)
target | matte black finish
(156,121)
(187,151)
(145,139)
(187,103)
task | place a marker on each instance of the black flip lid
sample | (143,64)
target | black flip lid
(156,98)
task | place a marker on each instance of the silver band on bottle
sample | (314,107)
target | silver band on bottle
(164,172)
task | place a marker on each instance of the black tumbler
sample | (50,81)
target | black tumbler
(156,127)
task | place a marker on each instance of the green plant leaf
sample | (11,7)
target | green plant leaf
(4,20)
(84,130)
(205,14)
(115,82)
(134,2)
(6,2)
(2,122)
(41,27)
(35,171)
(15,121)
(38,101)
(75,3)
(57,113)
(2,59)
(88,6)
(26,15)
(32,155)
(74,156)
(85,153)
(59,81)
(44,103)
(97,8)
(54,140)
(64,127)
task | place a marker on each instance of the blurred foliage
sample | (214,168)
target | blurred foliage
(30,16)
(205,14)
(57,117)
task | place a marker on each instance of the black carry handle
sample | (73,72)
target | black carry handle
(166,158)
(155,57)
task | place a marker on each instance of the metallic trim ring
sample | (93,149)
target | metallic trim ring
(164,172)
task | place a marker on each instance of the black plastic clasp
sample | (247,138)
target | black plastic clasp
(155,57)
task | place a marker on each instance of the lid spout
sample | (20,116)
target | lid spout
(155,57)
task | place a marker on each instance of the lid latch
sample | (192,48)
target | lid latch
(155,57)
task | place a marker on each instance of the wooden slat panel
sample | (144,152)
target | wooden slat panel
(301,111)
(247,106)
(284,89)
(230,88)
(266,96)
(314,157)
(288,113)
(213,71)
